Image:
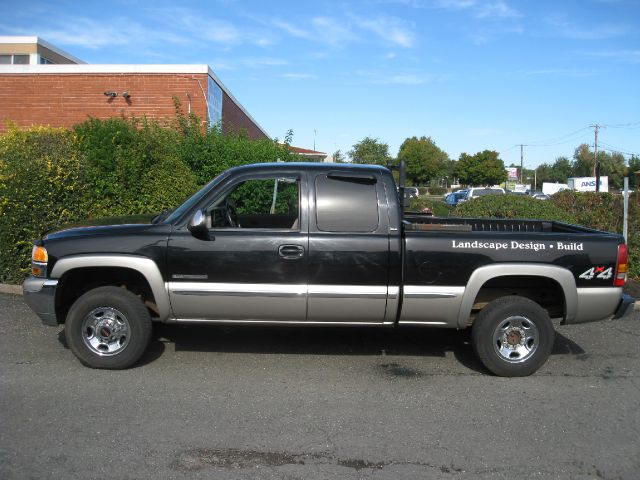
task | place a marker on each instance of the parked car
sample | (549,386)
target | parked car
(476,192)
(413,192)
(455,197)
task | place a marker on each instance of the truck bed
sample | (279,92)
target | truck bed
(418,221)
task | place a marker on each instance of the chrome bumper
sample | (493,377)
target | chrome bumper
(40,295)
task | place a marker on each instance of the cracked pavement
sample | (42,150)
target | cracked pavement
(309,403)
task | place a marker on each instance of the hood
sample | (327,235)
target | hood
(97,226)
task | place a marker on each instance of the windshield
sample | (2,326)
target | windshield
(195,199)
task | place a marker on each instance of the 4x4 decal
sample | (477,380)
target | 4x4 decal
(602,273)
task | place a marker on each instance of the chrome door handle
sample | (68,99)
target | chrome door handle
(291,251)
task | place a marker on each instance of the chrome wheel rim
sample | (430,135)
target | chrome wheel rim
(516,339)
(105,331)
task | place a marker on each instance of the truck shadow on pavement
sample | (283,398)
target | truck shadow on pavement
(417,342)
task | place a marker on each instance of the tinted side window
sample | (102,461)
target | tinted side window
(346,204)
(258,203)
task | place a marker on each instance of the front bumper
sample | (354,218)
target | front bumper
(625,308)
(40,295)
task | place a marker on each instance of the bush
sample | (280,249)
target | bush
(439,208)
(437,190)
(107,168)
(604,211)
(209,153)
(41,186)
(133,166)
(512,206)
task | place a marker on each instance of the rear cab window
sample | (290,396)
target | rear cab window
(346,203)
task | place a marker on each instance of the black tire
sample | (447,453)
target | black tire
(513,336)
(108,327)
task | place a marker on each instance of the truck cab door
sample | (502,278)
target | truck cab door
(349,246)
(252,264)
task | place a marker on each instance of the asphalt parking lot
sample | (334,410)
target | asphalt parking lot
(254,403)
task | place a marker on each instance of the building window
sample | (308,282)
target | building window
(46,61)
(214,104)
(14,59)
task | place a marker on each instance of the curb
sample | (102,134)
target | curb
(17,290)
(11,289)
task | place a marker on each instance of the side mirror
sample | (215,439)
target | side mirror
(198,226)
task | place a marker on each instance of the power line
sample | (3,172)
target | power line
(614,149)
(550,142)
(556,140)
(623,125)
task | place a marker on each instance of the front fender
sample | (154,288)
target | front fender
(145,266)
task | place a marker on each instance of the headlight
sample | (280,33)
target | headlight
(39,259)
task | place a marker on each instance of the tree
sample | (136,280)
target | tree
(561,170)
(338,157)
(633,171)
(424,160)
(612,165)
(583,161)
(370,150)
(483,168)
(544,173)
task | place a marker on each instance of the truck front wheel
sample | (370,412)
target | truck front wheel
(513,336)
(108,327)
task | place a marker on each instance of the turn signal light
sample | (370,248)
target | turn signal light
(39,254)
(622,266)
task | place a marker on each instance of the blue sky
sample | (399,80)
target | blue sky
(472,74)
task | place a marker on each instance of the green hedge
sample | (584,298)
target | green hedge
(437,207)
(107,168)
(513,206)
(42,184)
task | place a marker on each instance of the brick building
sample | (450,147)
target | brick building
(63,94)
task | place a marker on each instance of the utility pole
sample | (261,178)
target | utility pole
(314,139)
(522,163)
(596,164)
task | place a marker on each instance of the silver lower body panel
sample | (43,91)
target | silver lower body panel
(597,303)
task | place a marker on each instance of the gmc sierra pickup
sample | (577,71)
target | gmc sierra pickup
(323,244)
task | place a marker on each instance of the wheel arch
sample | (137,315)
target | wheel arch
(112,270)
(482,277)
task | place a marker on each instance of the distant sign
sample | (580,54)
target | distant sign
(588,184)
(512,173)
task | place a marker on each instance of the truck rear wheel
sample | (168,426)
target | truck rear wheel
(108,327)
(513,336)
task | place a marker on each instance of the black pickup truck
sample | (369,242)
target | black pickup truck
(324,244)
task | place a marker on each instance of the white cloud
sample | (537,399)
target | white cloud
(574,31)
(299,76)
(481,9)
(561,72)
(408,79)
(496,10)
(332,30)
(626,56)
(390,29)
(291,29)
(382,78)
(456,4)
